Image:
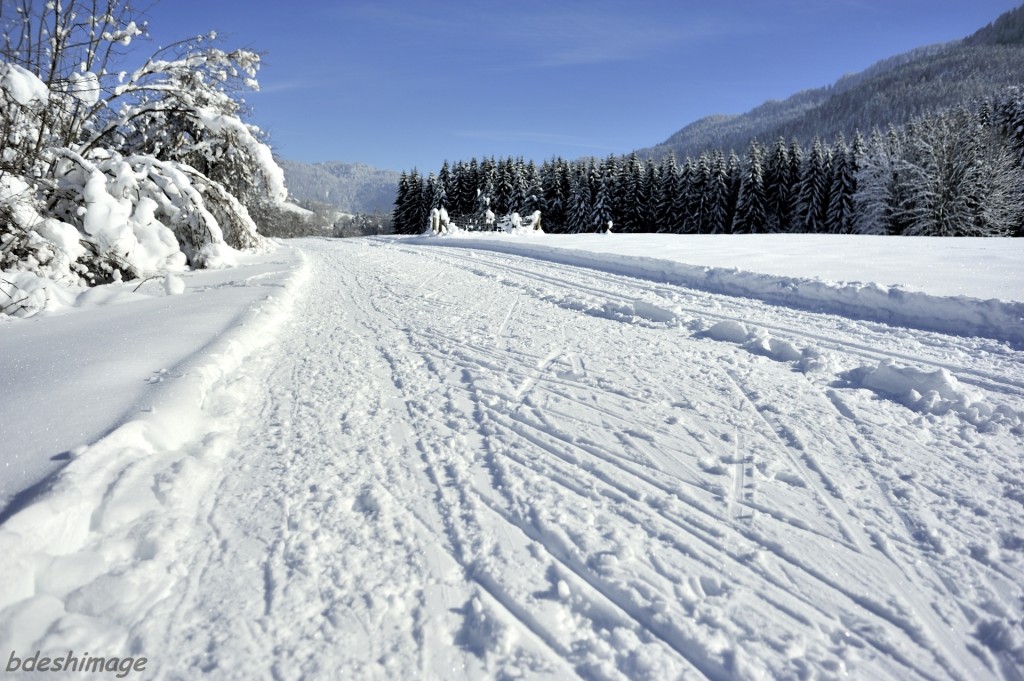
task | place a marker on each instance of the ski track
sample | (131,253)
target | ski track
(461,464)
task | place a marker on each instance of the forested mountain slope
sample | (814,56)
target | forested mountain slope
(349,187)
(892,91)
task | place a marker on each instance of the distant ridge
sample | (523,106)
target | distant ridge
(891,91)
(348,187)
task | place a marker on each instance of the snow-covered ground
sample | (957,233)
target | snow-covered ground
(391,458)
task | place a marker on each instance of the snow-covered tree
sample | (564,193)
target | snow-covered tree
(554,180)
(129,170)
(648,199)
(718,201)
(408,214)
(840,212)
(601,209)
(881,186)
(446,185)
(962,181)
(778,188)
(670,187)
(629,195)
(580,203)
(751,211)
(812,196)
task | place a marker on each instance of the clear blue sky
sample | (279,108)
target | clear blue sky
(398,84)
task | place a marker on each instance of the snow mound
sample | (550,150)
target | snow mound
(729,331)
(934,392)
(760,342)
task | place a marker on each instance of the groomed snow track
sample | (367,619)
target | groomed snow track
(463,464)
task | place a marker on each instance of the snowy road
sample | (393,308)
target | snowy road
(465,464)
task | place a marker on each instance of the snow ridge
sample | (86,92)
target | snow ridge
(958,315)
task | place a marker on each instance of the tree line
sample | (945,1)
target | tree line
(959,172)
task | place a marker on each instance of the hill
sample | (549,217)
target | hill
(349,187)
(890,92)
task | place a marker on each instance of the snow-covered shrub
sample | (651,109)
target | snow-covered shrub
(515,224)
(110,174)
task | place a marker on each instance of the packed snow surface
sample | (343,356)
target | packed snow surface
(391,458)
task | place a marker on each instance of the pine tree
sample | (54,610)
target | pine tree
(504,187)
(434,194)
(958,179)
(554,196)
(534,191)
(517,200)
(796,165)
(611,176)
(401,197)
(486,185)
(445,186)
(812,201)
(880,186)
(668,186)
(408,216)
(681,198)
(579,217)
(628,195)
(648,200)
(1008,114)
(727,174)
(777,189)
(751,214)
(840,213)
(603,199)
(701,196)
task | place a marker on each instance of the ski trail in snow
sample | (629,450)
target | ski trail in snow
(473,465)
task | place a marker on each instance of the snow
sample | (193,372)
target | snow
(968,286)
(972,266)
(242,136)
(436,458)
(95,360)
(22,85)
(85,87)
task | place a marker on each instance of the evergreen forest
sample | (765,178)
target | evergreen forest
(958,172)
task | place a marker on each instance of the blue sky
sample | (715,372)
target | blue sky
(402,84)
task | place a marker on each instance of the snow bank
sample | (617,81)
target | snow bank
(107,510)
(891,304)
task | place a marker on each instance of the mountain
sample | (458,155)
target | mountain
(890,92)
(349,187)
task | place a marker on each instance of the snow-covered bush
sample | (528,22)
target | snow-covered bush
(107,173)
(515,224)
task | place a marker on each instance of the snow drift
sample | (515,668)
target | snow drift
(889,304)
